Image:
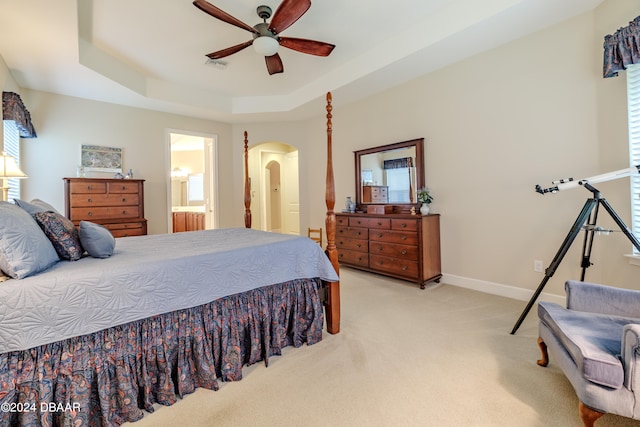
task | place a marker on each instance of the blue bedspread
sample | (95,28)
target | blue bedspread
(150,275)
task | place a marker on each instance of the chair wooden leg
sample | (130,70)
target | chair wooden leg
(544,361)
(587,415)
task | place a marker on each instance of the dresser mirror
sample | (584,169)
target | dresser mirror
(390,174)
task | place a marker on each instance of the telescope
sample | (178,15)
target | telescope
(568,183)
(586,221)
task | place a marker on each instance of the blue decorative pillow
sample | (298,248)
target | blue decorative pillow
(96,240)
(36,205)
(62,234)
(24,248)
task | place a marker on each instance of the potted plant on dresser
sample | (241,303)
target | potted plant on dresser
(425,198)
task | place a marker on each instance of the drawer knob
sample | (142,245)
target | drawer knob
(124,200)
(89,200)
(89,213)
(403,237)
(89,187)
(379,234)
(379,248)
(404,268)
(379,223)
(404,252)
(124,188)
(403,225)
(359,245)
(124,212)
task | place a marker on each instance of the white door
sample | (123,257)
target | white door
(291,193)
(210,180)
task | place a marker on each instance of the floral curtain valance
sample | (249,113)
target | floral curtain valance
(14,109)
(622,49)
(403,162)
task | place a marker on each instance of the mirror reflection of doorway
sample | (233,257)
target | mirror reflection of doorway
(275,206)
(192,189)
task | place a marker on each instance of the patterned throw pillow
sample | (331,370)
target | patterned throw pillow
(62,234)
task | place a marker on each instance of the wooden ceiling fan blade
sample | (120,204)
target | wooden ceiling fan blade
(287,13)
(274,64)
(229,51)
(210,9)
(312,47)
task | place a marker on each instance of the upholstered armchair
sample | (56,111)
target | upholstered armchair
(595,341)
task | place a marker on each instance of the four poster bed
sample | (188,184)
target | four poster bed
(95,341)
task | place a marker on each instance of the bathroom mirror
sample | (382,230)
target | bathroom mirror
(390,174)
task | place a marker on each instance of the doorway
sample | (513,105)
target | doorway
(275,190)
(192,181)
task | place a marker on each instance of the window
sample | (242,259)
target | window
(12,148)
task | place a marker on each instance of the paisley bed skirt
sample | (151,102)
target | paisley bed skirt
(111,376)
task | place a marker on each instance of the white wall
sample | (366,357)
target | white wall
(63,123)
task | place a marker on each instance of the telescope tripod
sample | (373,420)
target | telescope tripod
(589,213)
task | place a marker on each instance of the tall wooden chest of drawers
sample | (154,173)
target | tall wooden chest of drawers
(398,245)
(117,204)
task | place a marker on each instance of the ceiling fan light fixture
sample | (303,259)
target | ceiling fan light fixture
(266,46)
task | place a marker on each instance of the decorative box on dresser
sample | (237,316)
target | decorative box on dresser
(117,204)
(404,246)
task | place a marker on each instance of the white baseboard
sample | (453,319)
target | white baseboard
(500,289)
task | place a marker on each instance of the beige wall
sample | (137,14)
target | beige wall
(8,84)
(613,145)
(495,125)
(64,123)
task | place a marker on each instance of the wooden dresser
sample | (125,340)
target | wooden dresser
(375,194)
(399,245)
(117,204)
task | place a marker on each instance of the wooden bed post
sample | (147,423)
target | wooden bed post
(333,305)
(247,184)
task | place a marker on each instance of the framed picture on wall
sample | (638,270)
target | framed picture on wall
(95,158)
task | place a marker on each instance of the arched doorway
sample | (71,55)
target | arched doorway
(275,205)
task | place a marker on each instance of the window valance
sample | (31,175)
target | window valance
(14,109)
(621,49)
(403,162)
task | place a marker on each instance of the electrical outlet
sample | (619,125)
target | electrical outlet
(537,266)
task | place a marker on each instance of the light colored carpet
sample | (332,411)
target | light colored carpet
(404,357)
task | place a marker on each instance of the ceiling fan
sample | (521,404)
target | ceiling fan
(266,37)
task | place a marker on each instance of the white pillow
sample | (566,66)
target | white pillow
(24,248)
